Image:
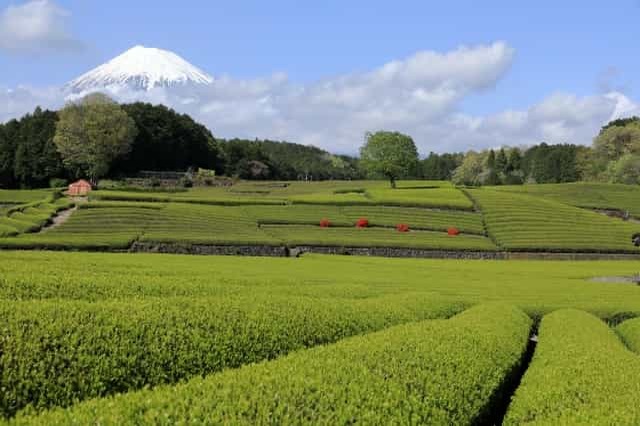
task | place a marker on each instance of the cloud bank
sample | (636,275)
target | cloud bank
(420,95)
(36,27)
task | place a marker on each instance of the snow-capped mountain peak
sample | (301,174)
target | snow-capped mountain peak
(141,68)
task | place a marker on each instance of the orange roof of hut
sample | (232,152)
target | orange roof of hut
(80,188)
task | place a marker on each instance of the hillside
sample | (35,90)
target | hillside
(289,214)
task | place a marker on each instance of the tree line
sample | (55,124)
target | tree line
(96,137)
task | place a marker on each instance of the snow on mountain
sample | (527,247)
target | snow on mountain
(141,68)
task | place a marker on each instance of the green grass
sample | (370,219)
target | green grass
(522,222)
(589,195)
(580,374)
(403,375)
(294,235)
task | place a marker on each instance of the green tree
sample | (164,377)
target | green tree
(91,133)
(501,161)
(390,154)
(491,159)
(515,160)
(625,170)
(167,140)
(470,171)
(615,141)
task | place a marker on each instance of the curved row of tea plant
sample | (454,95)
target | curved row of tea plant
(116,225)
(588,195)
(57,352)
(295,235)
(522,222)
(30,217)
(630,333)
(24,196)
(431,372)
(378,216)
(88,228)
(581,373)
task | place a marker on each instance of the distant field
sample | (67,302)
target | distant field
(524,222)
(542,218)
(590,195)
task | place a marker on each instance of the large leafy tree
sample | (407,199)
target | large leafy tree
(390,154)
(471,171)
(625,170)
(91,133)
(615,141)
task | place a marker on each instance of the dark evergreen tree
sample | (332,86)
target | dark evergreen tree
(167,140)
(36,159)
(501,161)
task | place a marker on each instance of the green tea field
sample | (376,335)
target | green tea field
(549,218)
(99,338)
(95,332)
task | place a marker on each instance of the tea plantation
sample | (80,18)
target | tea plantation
(92,337)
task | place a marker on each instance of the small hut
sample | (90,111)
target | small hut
(80,188)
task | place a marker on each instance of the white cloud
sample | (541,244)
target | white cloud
(420,95)
(36,26)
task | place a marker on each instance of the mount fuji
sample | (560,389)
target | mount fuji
(141,69)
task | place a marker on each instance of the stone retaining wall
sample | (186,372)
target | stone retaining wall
(282,251)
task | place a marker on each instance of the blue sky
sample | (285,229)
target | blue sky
(577,48)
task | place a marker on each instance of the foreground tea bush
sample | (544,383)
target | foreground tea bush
(55,352)
(432,372)
(630,333)
(581,374)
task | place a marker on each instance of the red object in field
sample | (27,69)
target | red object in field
(80,188)
(402,227)
(453,231)
(362,223)
(324,223)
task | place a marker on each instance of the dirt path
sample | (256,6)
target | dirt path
(59,219)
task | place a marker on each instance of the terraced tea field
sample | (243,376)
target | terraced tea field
(542,218)
(104,338)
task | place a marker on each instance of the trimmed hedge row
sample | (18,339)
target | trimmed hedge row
(581,373)
(57,352)
(431,372)
(630,333)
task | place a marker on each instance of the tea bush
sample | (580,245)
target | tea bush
(56,352)
(629,331)
(581,373)
(430,372)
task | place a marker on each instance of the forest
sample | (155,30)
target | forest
(165,140)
